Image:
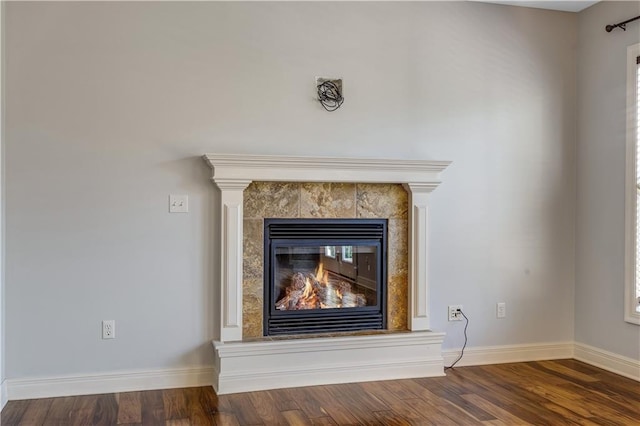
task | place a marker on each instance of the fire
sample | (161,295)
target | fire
(318,291)
(319,271)
(321,274)
(308,289)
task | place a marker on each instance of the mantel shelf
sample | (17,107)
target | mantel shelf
(323,169)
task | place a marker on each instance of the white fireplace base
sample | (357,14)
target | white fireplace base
(253,366)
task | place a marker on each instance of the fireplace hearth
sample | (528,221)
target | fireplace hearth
(324,275)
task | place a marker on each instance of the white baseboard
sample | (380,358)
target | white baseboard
(482,355)
(3,394)
(609,361)
(232,379)
(46,387)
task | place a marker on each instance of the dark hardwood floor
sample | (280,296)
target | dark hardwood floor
(564,392)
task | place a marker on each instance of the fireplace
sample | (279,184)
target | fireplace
(245,359)
(324,275)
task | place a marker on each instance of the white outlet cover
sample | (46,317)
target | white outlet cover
(108,329)
(451,313)
(178,203)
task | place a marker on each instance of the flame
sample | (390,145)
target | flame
(339,294)
(319,271)
(308,289)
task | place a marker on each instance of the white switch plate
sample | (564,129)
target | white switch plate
(178,203)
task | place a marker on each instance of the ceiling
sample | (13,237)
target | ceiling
(567,6)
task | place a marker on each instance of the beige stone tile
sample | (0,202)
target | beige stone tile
(253,260)
(271,199)
(252,310)
(398,246)
(328,200)
(397,261)
(381,201)
(397,295)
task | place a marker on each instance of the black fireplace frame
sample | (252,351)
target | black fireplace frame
(321,232)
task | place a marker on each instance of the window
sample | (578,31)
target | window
(330,251)
(632,211)
(347,254)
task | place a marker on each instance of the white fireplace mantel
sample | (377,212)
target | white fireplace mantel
(233,173)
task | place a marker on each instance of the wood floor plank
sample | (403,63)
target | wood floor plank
(106,412)
(359,405)
(454,397)
(399,406)
(60,411)
(198,414)
(284,400)
(512,393)
(212,403)
(371,402)
(559,368)
(429,402)
(244,409)
(35,414)
(620,396)
(572,417)
(494,410)
(226,419)
(83,410)
(399,389)
(391,418)
(175,404)
(178,422)
(307,402)
(267,408)
(13,412)
(435,416)
(296,418)
(533,402)
(496,422)
(495,392)
(129,408)
(152,407)
(323,421)
(333,406)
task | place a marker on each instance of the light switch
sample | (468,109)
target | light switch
(178,203)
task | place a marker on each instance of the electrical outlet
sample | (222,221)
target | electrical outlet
(501,310)
(455,312)
(108,329)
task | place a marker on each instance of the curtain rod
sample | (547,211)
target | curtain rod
(622,25)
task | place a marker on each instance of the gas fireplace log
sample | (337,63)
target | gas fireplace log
(298,281)
(309,292)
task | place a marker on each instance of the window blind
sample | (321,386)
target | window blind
(637,145)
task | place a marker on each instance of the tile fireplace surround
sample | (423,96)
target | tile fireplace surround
(268,363)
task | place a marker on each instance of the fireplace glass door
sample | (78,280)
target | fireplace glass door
(324,275)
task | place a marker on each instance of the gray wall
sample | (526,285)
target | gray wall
(602,70)
(110,105)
